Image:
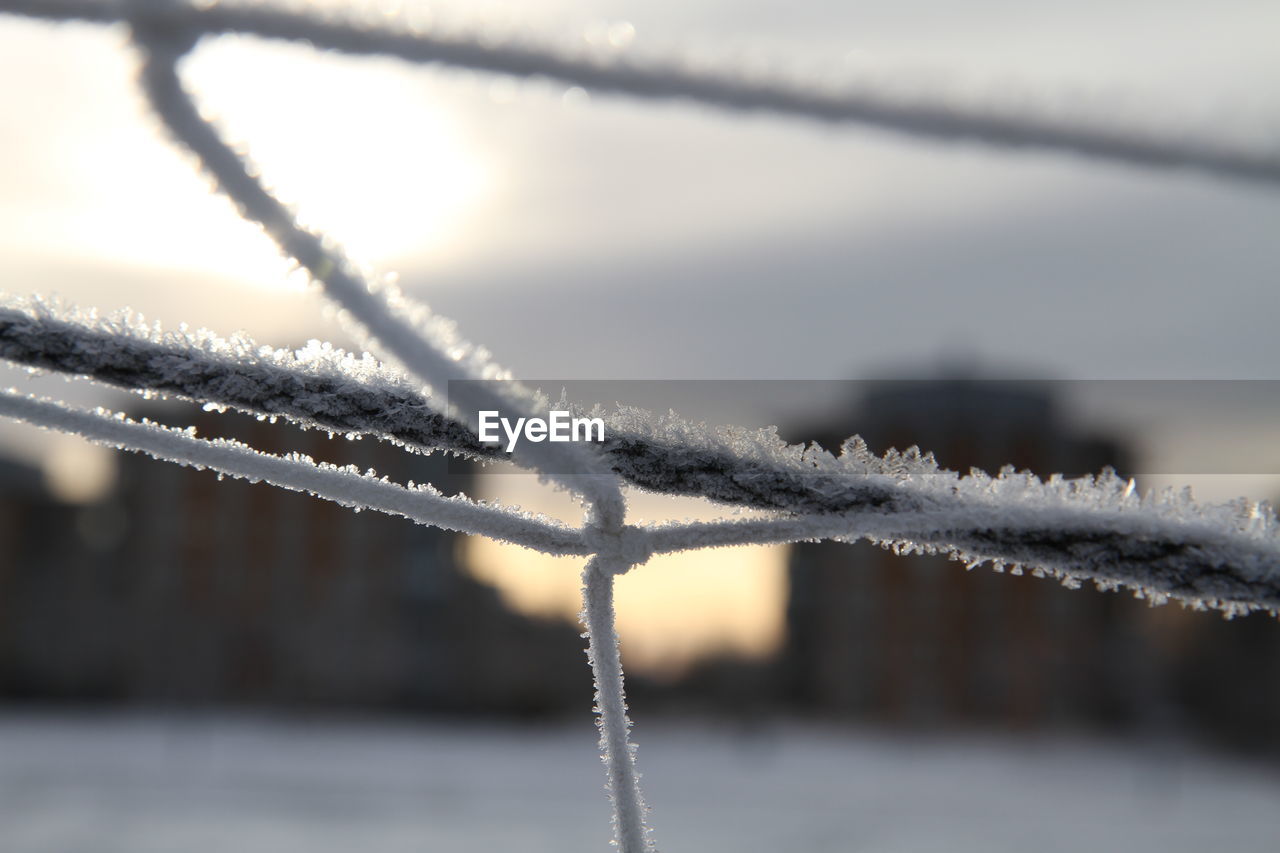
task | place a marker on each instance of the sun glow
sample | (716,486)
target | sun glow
(360,149)
(673,610)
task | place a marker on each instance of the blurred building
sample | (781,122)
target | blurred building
(180,587)
(41,561)
(921,641)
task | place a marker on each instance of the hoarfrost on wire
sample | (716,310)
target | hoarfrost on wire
(903,498)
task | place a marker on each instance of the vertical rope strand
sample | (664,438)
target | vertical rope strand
(630,833)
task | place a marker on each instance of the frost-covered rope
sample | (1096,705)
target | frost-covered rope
(628,76)
(1160,551)
(440,359)
(346,486)
(433,358)
(574,466)
(1095,528)
(317,386)
(624,783)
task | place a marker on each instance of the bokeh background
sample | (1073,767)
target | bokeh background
(189,662)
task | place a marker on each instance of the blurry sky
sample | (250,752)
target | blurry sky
(584,236)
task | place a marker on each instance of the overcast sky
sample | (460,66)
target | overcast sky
(752,246)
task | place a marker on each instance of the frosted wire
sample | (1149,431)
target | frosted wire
(346,486)
(621,75)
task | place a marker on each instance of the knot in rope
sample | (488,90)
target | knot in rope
(619,548)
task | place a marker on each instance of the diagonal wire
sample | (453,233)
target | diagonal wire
(937,120)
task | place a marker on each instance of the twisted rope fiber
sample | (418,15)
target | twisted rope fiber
(1195,563)
(1185,560)
(327,400)
(654,80)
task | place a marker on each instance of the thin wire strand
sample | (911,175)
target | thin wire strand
(345,486)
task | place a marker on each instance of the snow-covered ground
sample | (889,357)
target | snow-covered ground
(137,784)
